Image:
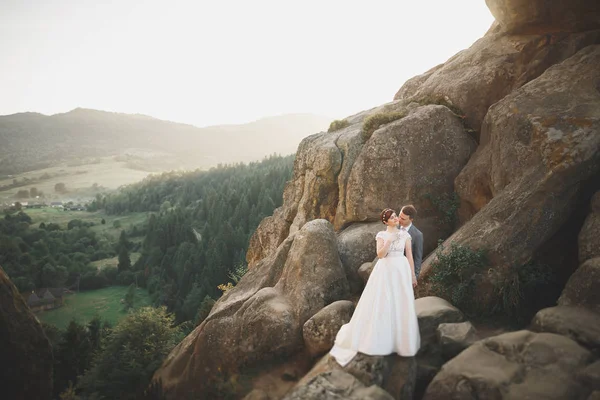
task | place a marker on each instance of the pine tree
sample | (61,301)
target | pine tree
(124,260)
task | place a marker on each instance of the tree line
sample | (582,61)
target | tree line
(199,229)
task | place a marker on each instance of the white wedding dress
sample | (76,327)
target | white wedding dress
(385,320)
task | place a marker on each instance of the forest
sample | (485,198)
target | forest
(193,244)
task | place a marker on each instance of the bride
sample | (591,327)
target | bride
(385,320)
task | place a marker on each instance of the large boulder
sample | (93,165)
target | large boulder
(331,168)
(589,236)
(320,330)
(590,375)
(357,245)
(399,164)
(25,352)
(582,287)
(493,67)
(431,312)
(540,149)
(516,365)
(455,337)
(273,300)
(579,324)
(546,16)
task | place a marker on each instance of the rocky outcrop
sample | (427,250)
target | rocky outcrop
(582,287)
(341,177)
(528,93)
(516,365)
(492,68)
(539,149)
(274,300)
(589,236)
(399,164)
(25,352)
(535,16)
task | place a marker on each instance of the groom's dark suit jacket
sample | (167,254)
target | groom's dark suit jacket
(417,247)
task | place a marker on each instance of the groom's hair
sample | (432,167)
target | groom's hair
(409,210)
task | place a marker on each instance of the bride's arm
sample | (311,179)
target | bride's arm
(382,247)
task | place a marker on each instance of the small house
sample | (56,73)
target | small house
(45,299)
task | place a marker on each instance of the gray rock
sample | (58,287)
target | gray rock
(590,376)
(365,270)
(320,330)
(576,323)
(357,245)
(399,164)
(395,374)
(493,67)
(336,384)
(589,236)
(455,337)
(516,365)
(582,287)
(431,312)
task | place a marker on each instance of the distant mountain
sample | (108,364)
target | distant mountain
(30,141)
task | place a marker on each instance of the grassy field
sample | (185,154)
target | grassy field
(84,306)
(113,262)
(62,218)
(107,174)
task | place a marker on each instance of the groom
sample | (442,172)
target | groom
(407,214)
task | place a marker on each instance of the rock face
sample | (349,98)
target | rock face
(493,67)
(340,177)
(589,237)
(546,16)
(400,164)
(274,300)
(539,148)
(25,351)
(516,365)
(512,126)
(582,287)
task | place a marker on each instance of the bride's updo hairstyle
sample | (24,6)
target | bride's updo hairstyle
(386,214)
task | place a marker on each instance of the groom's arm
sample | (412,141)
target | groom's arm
(418,252)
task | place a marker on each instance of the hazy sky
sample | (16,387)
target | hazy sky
(212,62)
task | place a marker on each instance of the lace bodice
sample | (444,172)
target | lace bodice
(398,243)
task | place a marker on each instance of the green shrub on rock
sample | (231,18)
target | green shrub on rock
(373,122)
